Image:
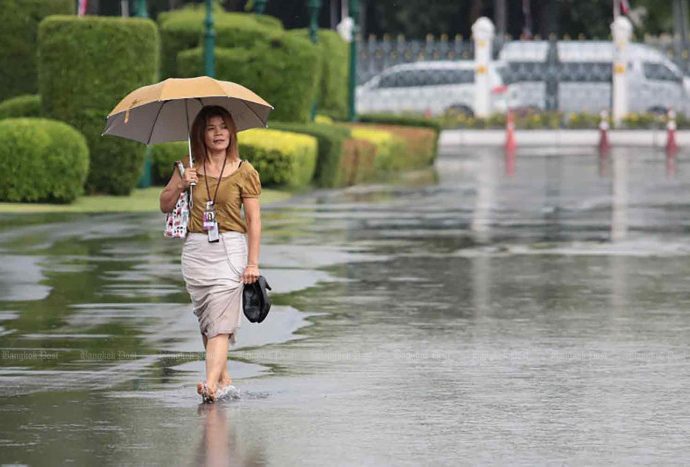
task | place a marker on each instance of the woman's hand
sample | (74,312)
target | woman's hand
(251,274)
(189,177)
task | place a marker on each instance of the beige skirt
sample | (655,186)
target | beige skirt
(212,273)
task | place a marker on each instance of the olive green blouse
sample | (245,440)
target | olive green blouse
(241,184)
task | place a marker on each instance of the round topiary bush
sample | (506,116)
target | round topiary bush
(27,105)
(42,160)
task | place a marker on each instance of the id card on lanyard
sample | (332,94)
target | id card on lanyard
(210,220)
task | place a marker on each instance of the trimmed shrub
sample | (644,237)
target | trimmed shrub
(42,160)
(86,65)
(183,29)
(330,149)
(20,19)
(388,147)
(420,144)
(28,105)
(284,72)
(357,161)
(163,157)
(115,163)
(333,88)
(401,120)
(280,157)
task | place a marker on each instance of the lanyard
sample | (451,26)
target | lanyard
(220,176)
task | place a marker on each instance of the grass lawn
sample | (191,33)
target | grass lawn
(141,200)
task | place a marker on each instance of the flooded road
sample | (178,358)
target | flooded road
(490,311)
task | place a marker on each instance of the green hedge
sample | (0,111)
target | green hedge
(330,149)
(19,20)
(28,105)
(402,120)
(285,72)
(183,29)
(280,157)
(42,160)
(420,144)
(357,162)
(86,65)
(333,89)
(163,157)
(389,147)
(116,163)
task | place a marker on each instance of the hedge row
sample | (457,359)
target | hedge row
(420,145)
(333,87)
(27,105)
(86,65)
(19,20)
(183,29)
(282,159)
(330,140)
(42,160)
(285,72)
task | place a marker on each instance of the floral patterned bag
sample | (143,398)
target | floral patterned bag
(176,221)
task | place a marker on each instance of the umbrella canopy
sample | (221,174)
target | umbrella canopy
(165,111)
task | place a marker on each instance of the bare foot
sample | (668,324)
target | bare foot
(225,381)
(207,391)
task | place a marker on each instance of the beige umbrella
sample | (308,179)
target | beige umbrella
(165,111)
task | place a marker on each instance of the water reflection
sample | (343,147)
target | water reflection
(220,444)
(619,203)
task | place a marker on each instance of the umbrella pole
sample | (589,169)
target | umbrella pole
(189,147)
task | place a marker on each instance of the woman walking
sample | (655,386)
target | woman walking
(221,251)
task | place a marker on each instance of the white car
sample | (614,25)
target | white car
(430,87)
(584,75)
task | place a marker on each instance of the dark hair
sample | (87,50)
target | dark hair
(198,132)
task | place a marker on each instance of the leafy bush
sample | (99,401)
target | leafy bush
(420,145)
(27,105)
(280,157)
(330,140)
(85,66)
(285,72)
(357,161)
(402,120)
(388,146)
(20,19)
(42,160)
(163,157)
(183,29)
(116,163)
(335,55)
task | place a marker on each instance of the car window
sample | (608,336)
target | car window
(515,72)
(585,72)
(437,77)
(659,72)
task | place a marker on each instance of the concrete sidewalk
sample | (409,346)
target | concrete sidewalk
(561,138)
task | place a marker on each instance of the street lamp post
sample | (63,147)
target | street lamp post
(314,6)
(354,14)
(260,6)
(209,42)
(146,179)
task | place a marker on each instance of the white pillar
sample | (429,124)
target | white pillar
(621,30)
(482,35)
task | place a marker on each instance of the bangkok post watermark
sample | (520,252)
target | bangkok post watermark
(23,355)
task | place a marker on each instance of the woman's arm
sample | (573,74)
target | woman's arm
(252,215)
(176,185)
